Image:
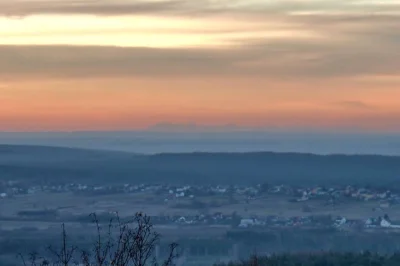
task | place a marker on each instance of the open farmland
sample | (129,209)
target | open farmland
(69,206)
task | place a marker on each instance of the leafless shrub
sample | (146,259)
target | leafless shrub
(129,243)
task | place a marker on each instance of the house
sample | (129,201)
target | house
(244,223)
(3,195)
(318,191)
(386,223)
(277,189)
(180,194)
(368,197)
(372,222)
(181,220)
(82,187)
(340,221)
(304,197)
(384,195)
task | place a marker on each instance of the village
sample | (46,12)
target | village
(198,205)
(334,193)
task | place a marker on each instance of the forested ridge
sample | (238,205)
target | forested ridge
(76,165)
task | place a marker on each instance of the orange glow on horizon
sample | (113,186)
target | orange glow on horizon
(113,104)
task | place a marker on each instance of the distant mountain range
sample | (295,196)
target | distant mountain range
(191,138)
(92,166)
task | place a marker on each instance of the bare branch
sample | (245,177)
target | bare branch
(126,244)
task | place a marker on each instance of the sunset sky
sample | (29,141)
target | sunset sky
(129,64)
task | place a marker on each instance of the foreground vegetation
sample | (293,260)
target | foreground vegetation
(132,242)
(135,243)
(322,259)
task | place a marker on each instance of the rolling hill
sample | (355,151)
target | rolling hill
(92,166)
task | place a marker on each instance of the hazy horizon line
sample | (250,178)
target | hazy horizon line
(199,152)
(192,128)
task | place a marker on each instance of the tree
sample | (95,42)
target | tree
(129,243)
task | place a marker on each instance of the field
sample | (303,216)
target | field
(71,205)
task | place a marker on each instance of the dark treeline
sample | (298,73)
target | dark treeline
(322,259)
(134,236)
(73,165)
(281,241)
(246,241)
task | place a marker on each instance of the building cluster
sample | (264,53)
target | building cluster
(301,222)
(339,223)
(166,192)
(201,219)
(333,195)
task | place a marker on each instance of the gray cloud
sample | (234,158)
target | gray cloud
(186,7)
(352,45)
(25,8)
(277,59)
(67,61)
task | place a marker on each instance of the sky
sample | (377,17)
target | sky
(82,65)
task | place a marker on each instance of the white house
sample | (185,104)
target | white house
(246,223)
(385,223)
(340,221)
(180,194)
(182,220)
(304,197)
